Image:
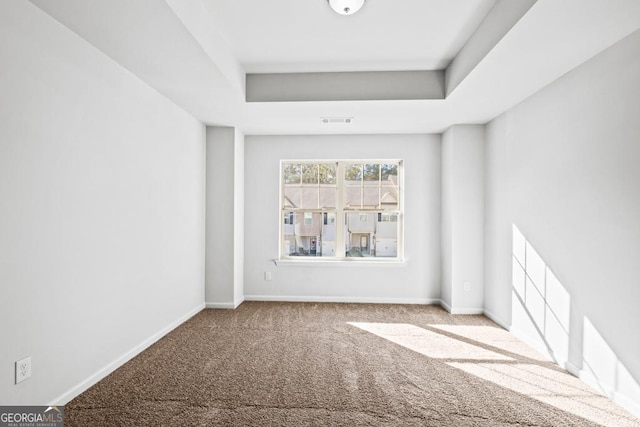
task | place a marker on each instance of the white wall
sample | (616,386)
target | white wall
(102,207)
(562,220)
(238,222)
(446,217)
(416,281)
(462,219)
(220,269)
(224,218)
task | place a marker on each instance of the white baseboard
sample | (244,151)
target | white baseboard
(221,305)
(446,306)
(362,300)
(531,341)
(589,379)
(572,369)
(225,305)
(458,310)
(67,396)
(466,310)
(626,403)
(497,320)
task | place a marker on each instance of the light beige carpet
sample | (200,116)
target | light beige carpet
(307,364)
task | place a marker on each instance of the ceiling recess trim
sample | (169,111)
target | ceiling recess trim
(349,86)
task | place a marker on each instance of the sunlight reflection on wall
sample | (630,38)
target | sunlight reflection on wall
(602,369)
(540,306)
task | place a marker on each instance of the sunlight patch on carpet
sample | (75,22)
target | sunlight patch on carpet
(552,387)
(495,337)
(527,372)
(428,343)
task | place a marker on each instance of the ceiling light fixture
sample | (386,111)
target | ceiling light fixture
(346,7)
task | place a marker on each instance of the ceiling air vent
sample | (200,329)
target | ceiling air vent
(339,120)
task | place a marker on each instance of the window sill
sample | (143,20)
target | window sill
(339,263)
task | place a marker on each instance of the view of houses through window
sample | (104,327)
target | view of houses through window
(341,209)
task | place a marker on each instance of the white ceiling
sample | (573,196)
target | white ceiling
(306,35)
(196,53)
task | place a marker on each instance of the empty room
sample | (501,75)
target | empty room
(320,212)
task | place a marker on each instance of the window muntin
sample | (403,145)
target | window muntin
(341,209)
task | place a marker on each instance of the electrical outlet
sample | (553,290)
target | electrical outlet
(267,276)
(467,286)
(23,369)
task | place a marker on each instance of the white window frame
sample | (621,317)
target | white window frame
(341,211)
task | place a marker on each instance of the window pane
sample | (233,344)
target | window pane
(371,235)
(353,172)
(389,195)
(307,234)
(291,197)
(328,197)
(309,198)
(327,245)
(353,196)
(386,237)
(359,233)
(371,197)
(389,170)
(372,172)
(309,174)
(327,173)
(389,198)
(288,232)
(291,173)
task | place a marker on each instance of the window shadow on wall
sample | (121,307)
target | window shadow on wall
(602,369)
(540,304)
(541,311)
